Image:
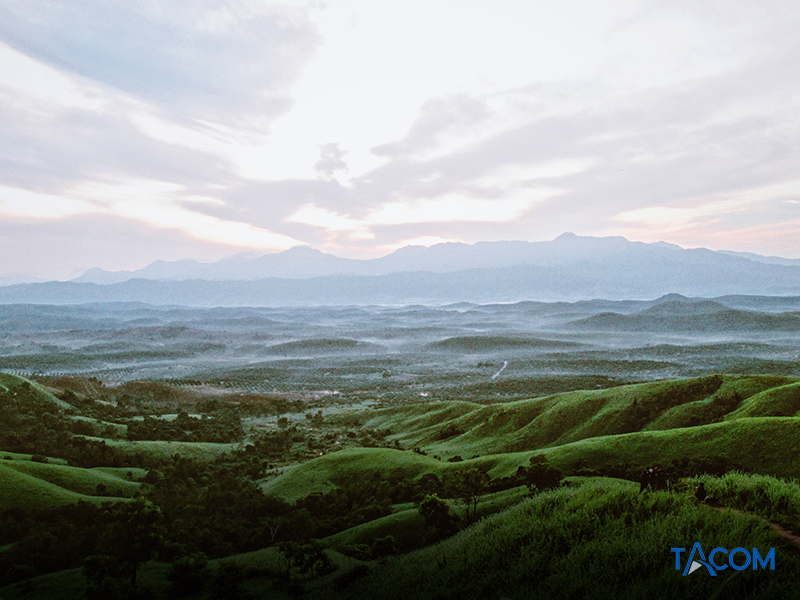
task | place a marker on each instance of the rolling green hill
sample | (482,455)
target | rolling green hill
(167,449)
(82,481)
(34,487)
(597,540)
(463,428)
(8,381)
(780,401)
(620,429)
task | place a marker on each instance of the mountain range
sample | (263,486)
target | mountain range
(568,268)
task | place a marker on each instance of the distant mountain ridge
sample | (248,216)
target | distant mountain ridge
(568,268)
(303,262)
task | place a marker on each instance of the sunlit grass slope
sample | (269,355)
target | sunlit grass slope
(762,445)
(599,540)
(781,401)
(333,470)
(27,491)
(76,479)
(165,449)
(447,428)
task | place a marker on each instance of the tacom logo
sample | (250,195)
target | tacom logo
(697,559)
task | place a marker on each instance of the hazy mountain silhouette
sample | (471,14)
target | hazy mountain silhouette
(302,262)
(567,268)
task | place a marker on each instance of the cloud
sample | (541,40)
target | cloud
(666,219)
(330,161)
(56,130)
(95,240)
(19,203)
(200,58)
(457,208)
(158,204)
(455,114)
(214,120)
(331,222)
(154,203)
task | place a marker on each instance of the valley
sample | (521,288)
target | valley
(329,452)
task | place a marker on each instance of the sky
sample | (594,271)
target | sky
(137,131)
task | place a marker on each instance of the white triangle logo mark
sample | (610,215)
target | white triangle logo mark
(695,565)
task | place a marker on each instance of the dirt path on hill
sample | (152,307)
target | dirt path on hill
(787,534)
(782,531)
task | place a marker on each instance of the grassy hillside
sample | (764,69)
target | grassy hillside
(164,449)
(82,481)
(621,430)
(28,491)
(333,470)
(599,540)
(462,428)
(404,525)
(763,445)
(781,401)
(8,381)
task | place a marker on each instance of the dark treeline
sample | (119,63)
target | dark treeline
(225,427)
(214,509)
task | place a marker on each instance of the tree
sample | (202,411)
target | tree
(540,475)
(471,485)
(133,535)
(436,514)
(309,558)
(188,575)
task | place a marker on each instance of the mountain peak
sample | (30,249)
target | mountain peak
(566,236)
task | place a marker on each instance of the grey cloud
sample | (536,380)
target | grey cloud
(79,243)
(437,116)
(201,58)
(331,160)
(651,148)
(75,145)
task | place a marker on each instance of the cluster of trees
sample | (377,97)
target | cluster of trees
(468,486)
(30,424)
(192,508)
(225,427)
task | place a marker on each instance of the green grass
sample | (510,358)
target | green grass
(164,449)
(781,401)
(76,479)
(406,525)
(566,418)
(71,584)
(599,540)
(773,499)
(120,430)
(765,445)
(332,470)
(20,490)
(9,456)
(8,381)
